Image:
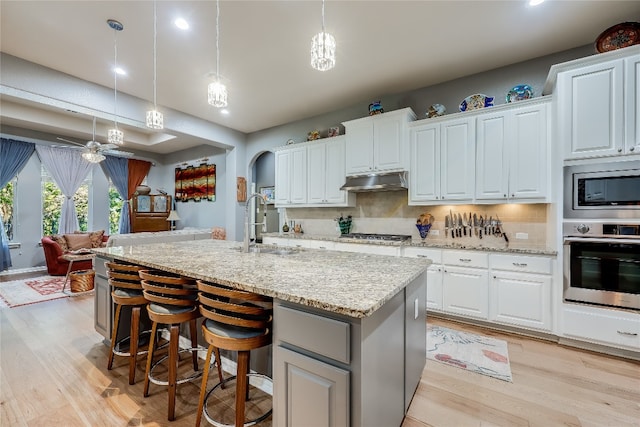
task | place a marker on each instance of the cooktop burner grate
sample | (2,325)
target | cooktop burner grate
(387,237)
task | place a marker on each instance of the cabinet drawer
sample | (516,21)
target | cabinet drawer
(529,264)
(607,329)
(434,255)
(465,258)
(368,248)
(321,335)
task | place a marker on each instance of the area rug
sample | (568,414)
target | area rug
(475,353)
(30,291)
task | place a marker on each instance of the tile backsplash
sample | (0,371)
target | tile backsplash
(388,212)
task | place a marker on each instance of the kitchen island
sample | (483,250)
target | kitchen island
(349,339)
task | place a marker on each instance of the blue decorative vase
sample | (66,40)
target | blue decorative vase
(424,230)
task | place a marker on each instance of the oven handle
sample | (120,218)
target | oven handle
(569,240)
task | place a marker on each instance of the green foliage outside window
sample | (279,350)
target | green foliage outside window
(52,199)
(115,204)
(6,208)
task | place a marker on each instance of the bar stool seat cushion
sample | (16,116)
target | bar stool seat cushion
(127,292)
(169,309)
(229,331)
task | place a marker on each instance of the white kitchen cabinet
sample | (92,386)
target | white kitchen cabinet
(602,326)
(378,143)
(442,166)
(291,176)
(368,248)
(591,102)
(465,283)
(632,105)
(326,173)
(434,274)
(511,162)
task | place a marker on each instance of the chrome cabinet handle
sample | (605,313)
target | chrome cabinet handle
(631,334)
(632,148)
(619,150)
(519,264)
(465,259)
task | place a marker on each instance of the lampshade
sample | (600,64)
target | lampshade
(115,136)
(93,157)
(155,119)
(173,216)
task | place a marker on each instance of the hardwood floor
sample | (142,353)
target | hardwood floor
(53,373)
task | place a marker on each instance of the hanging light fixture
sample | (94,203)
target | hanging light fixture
(91,152)
(323,49)
(217,91)
(115,135)
(155,120)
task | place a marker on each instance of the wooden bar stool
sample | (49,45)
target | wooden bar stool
(236,321)
(173,300)
(126,291)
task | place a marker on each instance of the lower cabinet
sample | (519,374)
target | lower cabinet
(602,326)
(465,291)
(434,287)
(315,392)
(521,299)
(102,303)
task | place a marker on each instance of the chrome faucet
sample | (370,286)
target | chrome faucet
(247,238)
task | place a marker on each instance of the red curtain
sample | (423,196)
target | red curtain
(138,169)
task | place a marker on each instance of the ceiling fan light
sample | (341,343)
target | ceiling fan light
(217,94)
(115,136)
(93,157)
(155,119)
(323,51)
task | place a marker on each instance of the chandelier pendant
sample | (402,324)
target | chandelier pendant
(323,49)
(155,120)
(115,136)
(217,91)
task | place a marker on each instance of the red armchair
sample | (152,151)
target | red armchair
(56,266)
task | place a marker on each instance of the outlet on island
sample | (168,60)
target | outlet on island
(522,236)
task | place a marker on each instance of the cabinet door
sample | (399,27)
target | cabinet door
(590,102)
(434,287)
(298,168)
(632,106)
(388,143)
(492,158)
(308,392)
(283,177)
(424,173)
(528,153)
(359,149)
(465,291)
(102,304)
(457,159)
(335,171)
(521,299)
(316,173)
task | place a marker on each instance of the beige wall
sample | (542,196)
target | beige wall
(388,212)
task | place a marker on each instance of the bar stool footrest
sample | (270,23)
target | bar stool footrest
(122,347)
(193,376)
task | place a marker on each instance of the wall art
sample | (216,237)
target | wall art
(195,183)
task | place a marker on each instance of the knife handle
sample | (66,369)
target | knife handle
(506,239)
(452,233)
(480,236)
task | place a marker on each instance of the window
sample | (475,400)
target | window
(52,198)
(8,206)
(115,204)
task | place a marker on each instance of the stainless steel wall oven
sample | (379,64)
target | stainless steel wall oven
(602,263)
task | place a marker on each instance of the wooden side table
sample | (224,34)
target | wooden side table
(73,258)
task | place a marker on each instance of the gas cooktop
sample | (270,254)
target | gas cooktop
(387,237)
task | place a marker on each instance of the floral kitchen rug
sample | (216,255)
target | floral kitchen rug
(475,353)
(30,291)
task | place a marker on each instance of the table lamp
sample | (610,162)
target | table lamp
(173,217)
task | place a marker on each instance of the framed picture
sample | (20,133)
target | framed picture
(144,203)
(159,203)
(269,194)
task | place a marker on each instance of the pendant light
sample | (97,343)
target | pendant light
(115,135)
(155,120)
(217,91)
(323,49)
(91,152)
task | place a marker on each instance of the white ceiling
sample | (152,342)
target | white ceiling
(383,47)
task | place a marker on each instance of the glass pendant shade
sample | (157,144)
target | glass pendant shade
(217,94)
(115,136)
(155,120)
(323,51)
(93,157)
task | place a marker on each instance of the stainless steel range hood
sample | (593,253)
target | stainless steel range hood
(376,182)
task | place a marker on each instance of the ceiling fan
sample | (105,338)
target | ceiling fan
(93,151)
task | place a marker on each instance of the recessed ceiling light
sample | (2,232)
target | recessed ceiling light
(535,2)
(120,71)
(224,111)
(182,24)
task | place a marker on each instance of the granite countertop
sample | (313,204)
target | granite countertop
(438,244)
(347,283)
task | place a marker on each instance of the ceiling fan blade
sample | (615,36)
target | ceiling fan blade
(70,142)
(107,147)
(117,153)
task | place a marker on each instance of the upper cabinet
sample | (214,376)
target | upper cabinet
(511,160)
(325,173)
(378,143)
(597,100)
(291,176)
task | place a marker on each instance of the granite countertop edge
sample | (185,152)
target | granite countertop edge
(417,244)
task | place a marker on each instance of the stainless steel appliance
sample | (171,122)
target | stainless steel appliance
(387,237)
(602,190)
(602,263)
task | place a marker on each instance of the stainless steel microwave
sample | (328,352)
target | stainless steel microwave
(604,190)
